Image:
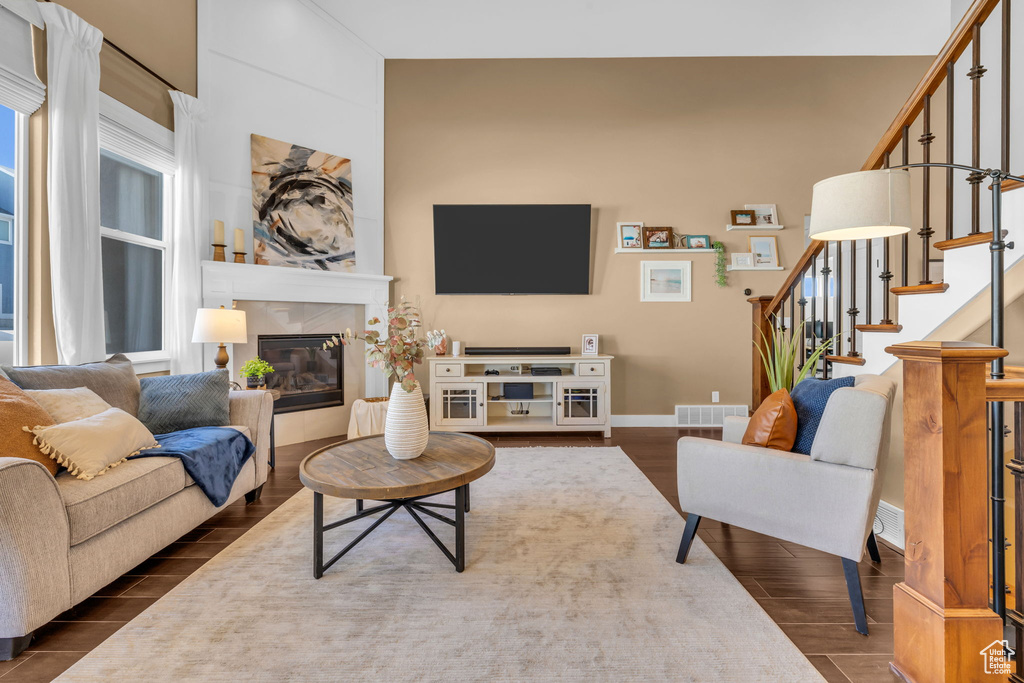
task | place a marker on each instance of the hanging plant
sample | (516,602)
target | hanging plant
(721,279)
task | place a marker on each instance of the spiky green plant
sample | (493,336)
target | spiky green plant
(779,357)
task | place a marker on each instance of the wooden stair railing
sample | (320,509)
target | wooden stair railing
(941,615)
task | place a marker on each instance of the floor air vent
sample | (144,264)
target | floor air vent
(889,523)
(707,416)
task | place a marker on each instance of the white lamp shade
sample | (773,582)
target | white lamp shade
(219,326)
(862,205)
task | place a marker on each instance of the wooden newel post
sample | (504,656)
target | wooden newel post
(762,324)
(942,618)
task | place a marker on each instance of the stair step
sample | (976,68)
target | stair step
(1013,371)
(969,240)
(847,360)
(933,288)
(879,328)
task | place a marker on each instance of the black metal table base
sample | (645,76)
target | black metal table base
(415,506)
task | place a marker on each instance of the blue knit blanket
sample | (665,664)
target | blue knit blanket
(212,456)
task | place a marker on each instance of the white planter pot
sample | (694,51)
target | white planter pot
(406,429)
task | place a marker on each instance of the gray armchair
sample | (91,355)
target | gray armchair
(825,501)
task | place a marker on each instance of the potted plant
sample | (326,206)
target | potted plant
(255,371)
(395,352)
(780,355)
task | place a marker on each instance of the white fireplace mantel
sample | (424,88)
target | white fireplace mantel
(225,283)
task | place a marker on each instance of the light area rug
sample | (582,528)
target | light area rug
(570,576)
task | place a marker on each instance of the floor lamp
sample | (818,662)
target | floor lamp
(870,204)
(220,326)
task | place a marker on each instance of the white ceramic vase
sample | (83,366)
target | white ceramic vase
(405,429)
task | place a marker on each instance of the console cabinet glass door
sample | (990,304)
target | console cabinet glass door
(460,403)
(580,403)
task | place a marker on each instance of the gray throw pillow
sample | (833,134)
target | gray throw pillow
(113,380)
(176,402)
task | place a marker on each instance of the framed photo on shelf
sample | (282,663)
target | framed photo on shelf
(631,235)
(765,249)
(665,280)
(743,217)
(698,241)
(742,259)
(764,214)
(589,346)
(657,238)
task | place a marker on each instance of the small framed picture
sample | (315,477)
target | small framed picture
(589,346)
(657,238)
(631,235)
(679,241)
(698,241)
(742,259)
(764,214)
(744,217)
(665,280)
(765,249)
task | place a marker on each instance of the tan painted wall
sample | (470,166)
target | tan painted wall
(160,35)
(675,142)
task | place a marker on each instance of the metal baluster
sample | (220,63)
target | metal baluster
(975,74)
(837,345)
(949,150)
(905,237)
(852,311)
(1004,73)
(869,276)
(886,275)
(792,310)
(926,232)
(803,318)
(814,307)
(825,271)
(1016,466)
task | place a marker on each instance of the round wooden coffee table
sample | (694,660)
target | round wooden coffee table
(364,470)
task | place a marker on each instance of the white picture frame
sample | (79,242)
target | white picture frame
(765,249)
(589,345)
(634,231)
(742,259)
(764,214)
(665,281)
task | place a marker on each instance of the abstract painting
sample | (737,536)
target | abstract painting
(301,207)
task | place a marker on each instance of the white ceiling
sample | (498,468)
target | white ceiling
(463,29)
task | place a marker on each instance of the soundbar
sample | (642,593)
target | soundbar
(518,351)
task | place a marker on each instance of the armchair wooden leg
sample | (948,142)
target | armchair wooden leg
(860,617)
(873,548)
(692,522)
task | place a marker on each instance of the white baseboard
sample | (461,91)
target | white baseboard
(643,421)
(889,524)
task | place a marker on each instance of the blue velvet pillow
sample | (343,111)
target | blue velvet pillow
(810,397)
(176,402)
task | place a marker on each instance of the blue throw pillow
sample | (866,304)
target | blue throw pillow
(810,397)
(175,402)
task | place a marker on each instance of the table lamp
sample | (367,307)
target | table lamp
(220,326)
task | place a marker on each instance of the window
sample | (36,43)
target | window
(136,170)
(12,289)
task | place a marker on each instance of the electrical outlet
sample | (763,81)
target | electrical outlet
(714,397)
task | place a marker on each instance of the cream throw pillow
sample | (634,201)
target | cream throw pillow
(67,405)
(90,446)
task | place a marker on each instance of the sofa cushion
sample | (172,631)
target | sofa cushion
(17,411)
(810,398)
(175,402)
(68,405)
(114,380)
(773,424)
(97,505)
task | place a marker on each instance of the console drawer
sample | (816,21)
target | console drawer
(596,369)
(448,369)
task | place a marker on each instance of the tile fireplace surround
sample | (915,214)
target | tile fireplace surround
(281,300)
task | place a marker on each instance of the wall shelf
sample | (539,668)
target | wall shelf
(624,250)
(754,268)
(754,227)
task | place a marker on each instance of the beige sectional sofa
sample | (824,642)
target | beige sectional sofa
(62,539)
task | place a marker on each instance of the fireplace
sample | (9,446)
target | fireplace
(305,374)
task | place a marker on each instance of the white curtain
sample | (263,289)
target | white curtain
(72,184)
(189,201)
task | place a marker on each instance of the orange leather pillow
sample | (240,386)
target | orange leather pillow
(17,411)
(773,424)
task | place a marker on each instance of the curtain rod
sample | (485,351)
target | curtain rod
(137,63)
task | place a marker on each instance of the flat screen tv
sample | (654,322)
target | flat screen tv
(512,248)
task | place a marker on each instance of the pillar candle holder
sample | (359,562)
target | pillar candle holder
(239,256)
(218,252)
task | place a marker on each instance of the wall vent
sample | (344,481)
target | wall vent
(707,416)
(889,524)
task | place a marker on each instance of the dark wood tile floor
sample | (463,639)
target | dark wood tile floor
(801,589)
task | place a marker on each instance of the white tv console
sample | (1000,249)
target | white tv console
(463,398)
